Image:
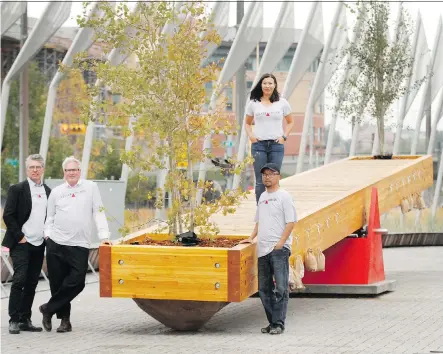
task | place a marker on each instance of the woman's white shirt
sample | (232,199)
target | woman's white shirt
(268,119)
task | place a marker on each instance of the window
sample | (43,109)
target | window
(251,63)
(208,91)
(103,94)
(319,108)
(116,98)
(314,65)
(215,59)
(319,134)
(284,64)
(228,94)
(249,84)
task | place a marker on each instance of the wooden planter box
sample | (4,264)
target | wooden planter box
(177,272)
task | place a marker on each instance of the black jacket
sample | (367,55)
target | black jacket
(17,211)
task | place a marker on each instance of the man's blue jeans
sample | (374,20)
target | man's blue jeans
(263,152)
(274,299)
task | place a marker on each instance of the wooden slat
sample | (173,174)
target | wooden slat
(105,271)
(234,284)
(242,274)
(248,272)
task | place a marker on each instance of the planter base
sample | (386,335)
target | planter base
(181,315)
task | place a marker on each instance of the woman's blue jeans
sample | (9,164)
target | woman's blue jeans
(263,152)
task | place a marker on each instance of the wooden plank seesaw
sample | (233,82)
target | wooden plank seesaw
(184,287)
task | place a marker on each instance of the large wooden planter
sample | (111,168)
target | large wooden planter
(177,272)
(181,287)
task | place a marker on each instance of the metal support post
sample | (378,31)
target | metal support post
(438,114)
(24,103)
(240,96)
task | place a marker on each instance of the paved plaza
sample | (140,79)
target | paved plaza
(409,320)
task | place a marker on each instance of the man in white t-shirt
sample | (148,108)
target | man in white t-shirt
(72,207)
(275,219)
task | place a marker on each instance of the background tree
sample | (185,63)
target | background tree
(383,65)
(166,93)
(10,148)
(72,95)
(109,158)
(59,149)
(339,140)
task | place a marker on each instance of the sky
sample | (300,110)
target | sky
(430,12)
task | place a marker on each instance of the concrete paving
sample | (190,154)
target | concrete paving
(409,320)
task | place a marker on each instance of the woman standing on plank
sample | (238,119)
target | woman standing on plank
(266,109)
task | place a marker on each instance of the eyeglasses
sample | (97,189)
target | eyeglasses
(72,170)
(38,168)
(269,175)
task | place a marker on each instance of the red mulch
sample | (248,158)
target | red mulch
(215,242)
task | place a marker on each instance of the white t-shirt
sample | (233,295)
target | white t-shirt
(274,211)
(70,214)
(268,119)
(33,228)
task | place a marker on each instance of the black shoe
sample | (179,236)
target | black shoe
(65,326)
(14,328)
(266,329)
(277,330)
(47,319)
(26,325)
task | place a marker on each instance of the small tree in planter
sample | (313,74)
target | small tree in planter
(382,66)
(165,91)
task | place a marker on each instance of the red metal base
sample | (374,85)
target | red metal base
(354,260)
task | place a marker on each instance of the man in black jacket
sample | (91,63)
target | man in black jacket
(24,216)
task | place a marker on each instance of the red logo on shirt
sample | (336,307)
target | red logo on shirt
(268,114)
(266,202)
(39,196)
(73,195)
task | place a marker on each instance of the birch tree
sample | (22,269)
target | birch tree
(382,66)
(165,92)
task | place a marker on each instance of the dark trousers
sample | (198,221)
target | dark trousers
(274,298)
(67,267)
(263,152)
(27,263)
